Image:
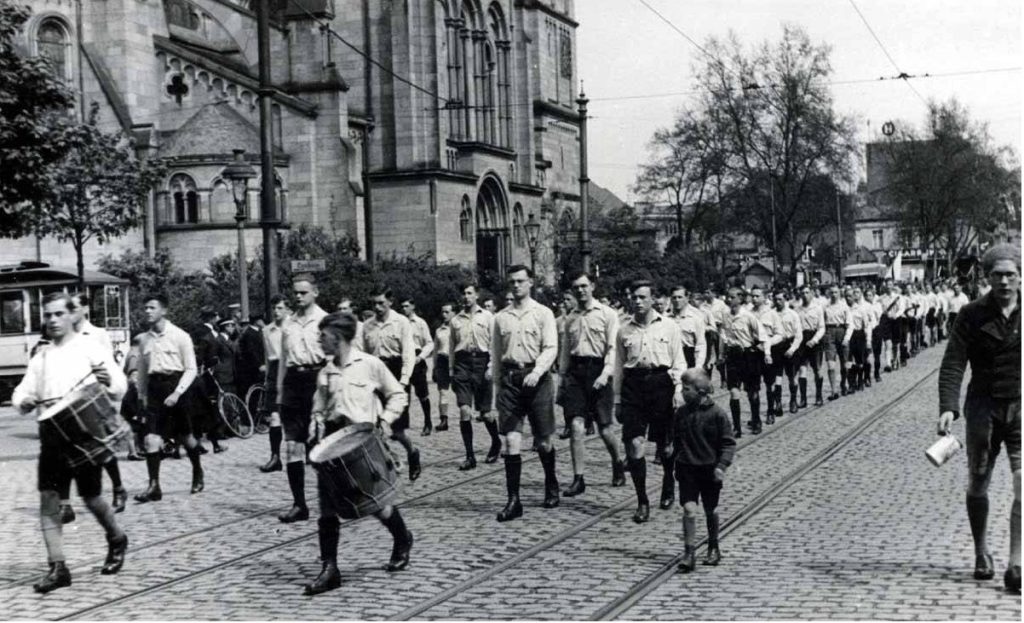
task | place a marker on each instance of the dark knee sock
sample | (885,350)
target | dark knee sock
(64,489)
(638,471)
(297,482)
(492,430)
(275,440)
(194,459)
(668,481)
(115,473)
(803,390)
(328,528)
(712,522)
(396,526)
(755,407)
(466,428)
(842,377)
(513,471)
(817,388)
(734,407)
(153,467)
(547,461)
(425,405)
(977,515)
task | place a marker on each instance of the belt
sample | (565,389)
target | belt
(307,367)
(644,370)
(581,359)
(835,326)
(474,353)
(515,365)
(166,374)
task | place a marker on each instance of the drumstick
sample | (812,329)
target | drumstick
(73,388)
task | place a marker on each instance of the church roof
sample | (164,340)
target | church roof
(214,130)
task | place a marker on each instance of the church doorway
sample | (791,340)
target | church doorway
(493,243)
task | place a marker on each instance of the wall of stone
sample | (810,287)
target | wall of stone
(193,249)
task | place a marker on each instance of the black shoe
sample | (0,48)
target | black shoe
(887,369)
(115,555)
(414,465)
(792,406)
(844,391)
(152,494)
(273,465)
(713,556)
(512,510)
(217,449)
(618,474)
(468,464)
(577,487)
(442,426)
(689,562)
(427,429)
(296,513)
(834,397)
(329,579)
(67,514)
(769,419)
(120,499)
(1011,579)
(757,429)
(878,377)
(134,456)
(551,496)
(58,577)
(819,402)
(803,403)
(984,568)
(197,483)
(643,513)
(400,554)
(493,454)
(737,433)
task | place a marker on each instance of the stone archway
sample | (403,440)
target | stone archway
(493,239)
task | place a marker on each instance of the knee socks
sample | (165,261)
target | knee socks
(547,461)
(425,405)
(689,531)
(638,471)
(818,382)
(297,482)
(275,435)
(153,467)
(803,389)
(977,516)
(328,529)
(193,458)
(396,526)
(755,407)
(466,428)
(712,522)
(734,407)
(492,430)
(115,473)
(513,470)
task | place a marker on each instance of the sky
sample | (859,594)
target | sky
(626,51)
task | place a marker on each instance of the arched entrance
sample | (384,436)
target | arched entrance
(493,245)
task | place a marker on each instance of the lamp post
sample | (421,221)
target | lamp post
(532,228)
(239,173)
(585,250)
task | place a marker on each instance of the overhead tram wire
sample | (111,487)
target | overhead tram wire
(905,77)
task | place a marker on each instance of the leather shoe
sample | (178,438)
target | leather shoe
(115,555)
(443,425)
(415,469)
(468,464)
(197,483)
(757,429)
(668,494)
(513,509)
(834,397)
(120,499)
(618,474)
(58,577)
(551,497)
(296,513)
(577,487)
(713,556)
(493,454)
(67,514)
(984,568)
(329,579)
(273,465)
(689,561)
(643,513)
(400,554)
(792,406)
(803,403)
(737,433)
(152,494)
(427,429)
(1011,579)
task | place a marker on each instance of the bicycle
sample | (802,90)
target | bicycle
(256,404)
(233,411)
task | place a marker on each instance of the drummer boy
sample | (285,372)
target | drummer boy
(347,390)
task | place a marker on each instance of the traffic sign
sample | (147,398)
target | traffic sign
(309,266)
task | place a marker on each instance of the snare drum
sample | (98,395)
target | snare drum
(85,425)
(357,473)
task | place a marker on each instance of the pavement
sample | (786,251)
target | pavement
(875,532)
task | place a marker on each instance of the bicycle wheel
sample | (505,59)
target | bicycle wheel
(234,415)
(255,402)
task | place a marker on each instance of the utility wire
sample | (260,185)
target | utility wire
(902,74)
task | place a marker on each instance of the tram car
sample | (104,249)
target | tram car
(22,288)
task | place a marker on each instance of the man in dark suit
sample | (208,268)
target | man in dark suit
(249,355)
(209,351)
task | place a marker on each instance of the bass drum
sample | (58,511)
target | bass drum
(357,470)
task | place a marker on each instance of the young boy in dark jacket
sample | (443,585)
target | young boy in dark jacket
(702,444)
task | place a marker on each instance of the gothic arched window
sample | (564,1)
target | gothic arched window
(53,44)
(518,233)
(466,221)
(186,199)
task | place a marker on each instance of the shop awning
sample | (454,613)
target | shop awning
(867,269)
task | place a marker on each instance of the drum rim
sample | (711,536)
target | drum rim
(67,400)
(315,455)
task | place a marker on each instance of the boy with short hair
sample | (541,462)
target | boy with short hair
(702,444)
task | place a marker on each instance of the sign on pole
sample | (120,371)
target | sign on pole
(309,266)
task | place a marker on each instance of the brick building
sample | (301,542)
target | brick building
(471,129)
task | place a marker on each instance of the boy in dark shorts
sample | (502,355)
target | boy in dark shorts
(702,445)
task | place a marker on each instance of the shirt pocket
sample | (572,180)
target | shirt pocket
(358,395)
(662,349)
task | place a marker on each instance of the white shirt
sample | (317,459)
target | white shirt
(350,392)
(60,368)
(94,332)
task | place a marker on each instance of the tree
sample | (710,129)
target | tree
(34,108)
(948,185)
(97,191)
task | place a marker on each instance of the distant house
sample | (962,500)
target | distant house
(758,273)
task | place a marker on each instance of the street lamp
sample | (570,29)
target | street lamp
(239,173)
(532,228)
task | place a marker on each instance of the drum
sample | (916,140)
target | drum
(85,425)
(357,471)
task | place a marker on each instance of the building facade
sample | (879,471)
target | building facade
(436,126)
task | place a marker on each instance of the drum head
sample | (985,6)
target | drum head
(68,400)
(341,442)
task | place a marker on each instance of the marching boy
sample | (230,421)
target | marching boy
(702,443)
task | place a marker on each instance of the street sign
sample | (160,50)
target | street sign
(309,266)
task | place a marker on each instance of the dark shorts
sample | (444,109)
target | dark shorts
(53,469)
(469,381)
(780,362)
(885,328)
(646,403)
(516,403)
(418,380)
(929,318)
(952,319)
(270,384)
(809,355)
(297,402)
(176,421)
(991,422)
(697,482)
(834,343)
(441,374)
(743,368)
(580,399)
(859,346)
(394,366)
(876,340)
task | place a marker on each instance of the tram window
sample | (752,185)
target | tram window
(97,308)
(35,316)
(12,313)
(112,312)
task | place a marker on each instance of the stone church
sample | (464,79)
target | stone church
(455,119)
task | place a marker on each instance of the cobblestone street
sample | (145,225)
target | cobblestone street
(872,532)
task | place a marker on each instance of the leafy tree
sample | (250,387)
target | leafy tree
(97,191)
(34,109)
